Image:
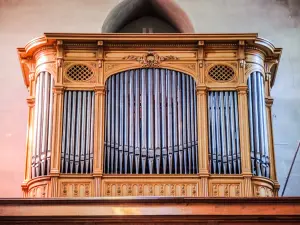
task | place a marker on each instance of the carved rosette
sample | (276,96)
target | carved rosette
(150,59)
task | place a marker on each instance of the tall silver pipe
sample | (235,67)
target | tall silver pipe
(137,122)
(121,131)
(237,137)
(232,133)
(131,122)
(68,139)
(265,129)
(64,132)
(36,113)
(126,124)
(188,125)
(180,125)
(175,119)
(73,129)
(228,139)
(213,131)
(88,131)
(260,105)
(49,146)
(184,125)
(250,109)
(92,132)
(164,122)
(195,125)
(192,125)
(169,121)
(222,134)
(144,121)
(218,133)
(83,131)
(117,117)
(45,122)
(157,121)
(113,119)
(150,107)
(40,124)
(78,131)
(256,126)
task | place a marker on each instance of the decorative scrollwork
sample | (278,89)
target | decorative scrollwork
(150,59)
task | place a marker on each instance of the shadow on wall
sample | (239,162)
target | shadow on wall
(293,6)
(169,17)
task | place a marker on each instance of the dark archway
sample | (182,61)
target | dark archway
(147,16)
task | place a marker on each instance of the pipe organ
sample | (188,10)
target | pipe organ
(149,115)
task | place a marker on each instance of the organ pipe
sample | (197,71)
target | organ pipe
(223,129)
(154,112)
(41,151)
(77,141)
(258,126)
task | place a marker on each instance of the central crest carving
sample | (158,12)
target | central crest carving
(150,59)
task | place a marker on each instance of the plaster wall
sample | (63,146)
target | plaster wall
(20,21)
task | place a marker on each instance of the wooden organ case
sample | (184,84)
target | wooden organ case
(149,115)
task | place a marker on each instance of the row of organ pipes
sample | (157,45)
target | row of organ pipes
(41,149)
(150,126)
(151,123)
(78,132)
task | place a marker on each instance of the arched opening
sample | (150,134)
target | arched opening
(151,123)
(147,16)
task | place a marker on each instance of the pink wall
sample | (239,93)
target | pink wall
(21,21)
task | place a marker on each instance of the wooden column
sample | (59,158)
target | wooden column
(99,123)
(202,118)
(244,139)
(202,139)
(57,113)
(269,103)
(57,130)
(30,124)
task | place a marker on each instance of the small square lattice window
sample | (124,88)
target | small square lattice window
(79,72)
(221,73)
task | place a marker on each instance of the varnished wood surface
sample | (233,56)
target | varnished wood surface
(151,210)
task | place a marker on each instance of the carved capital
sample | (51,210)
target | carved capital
(201,63)
(100,90)
(58,90)
(242,63)
(200,90)
(59,62)
(100,63)
(30,101)
(30,64)
(269,101)
(269,63)
(242,90)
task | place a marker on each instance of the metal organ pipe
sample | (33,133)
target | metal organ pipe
(154,119)
(223,132)
(77,141)
(41,151)
(258,126)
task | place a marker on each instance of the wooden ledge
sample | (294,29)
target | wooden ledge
(141,210)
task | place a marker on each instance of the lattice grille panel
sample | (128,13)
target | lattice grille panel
(79,73)
(221,73)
